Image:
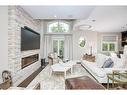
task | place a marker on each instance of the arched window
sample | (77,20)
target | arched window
(58,27)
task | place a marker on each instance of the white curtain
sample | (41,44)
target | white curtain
(68,47)
(47,45)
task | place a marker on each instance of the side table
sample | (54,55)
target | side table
(42,62)
(117,77)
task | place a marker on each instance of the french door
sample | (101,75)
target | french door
(58,46)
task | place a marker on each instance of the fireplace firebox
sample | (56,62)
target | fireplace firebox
(26,61)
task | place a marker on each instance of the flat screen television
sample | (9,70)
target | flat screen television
(30,39)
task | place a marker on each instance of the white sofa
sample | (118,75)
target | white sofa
(99,73)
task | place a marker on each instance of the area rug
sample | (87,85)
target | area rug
(56,81)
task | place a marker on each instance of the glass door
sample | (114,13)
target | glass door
(58,47)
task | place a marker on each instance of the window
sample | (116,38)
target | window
(112,46)
(109,43)
(109,46)
(104,47)
(58,46)
(57,27)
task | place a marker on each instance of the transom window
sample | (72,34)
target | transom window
(56,27)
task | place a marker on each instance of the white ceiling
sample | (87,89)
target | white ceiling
(59,12)
(108,18)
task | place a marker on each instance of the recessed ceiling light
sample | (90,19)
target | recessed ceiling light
(93,20)
(85,27)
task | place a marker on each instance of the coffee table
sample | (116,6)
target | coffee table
(70,64)
(64,67)
(60,68)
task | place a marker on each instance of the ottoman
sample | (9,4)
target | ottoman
(83,82)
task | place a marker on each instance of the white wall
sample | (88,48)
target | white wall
(91,38)
(3,39)
(99,38)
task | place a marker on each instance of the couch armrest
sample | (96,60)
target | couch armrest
(85,61)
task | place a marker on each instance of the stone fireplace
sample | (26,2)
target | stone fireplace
(21,63)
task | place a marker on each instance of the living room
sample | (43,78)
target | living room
(81,33)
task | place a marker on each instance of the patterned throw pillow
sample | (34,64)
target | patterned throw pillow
(108,63)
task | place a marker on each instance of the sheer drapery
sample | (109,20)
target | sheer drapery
(47,45)
(68,47)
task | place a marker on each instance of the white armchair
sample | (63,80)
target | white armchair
(53,58)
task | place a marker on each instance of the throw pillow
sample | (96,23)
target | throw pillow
(108,63)
(100,59)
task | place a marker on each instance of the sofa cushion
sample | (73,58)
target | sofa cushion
(93,68)
(100,59)
(112,54)
(124,57)
(118,62)
(108,63)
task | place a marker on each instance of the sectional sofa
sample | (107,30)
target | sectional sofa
(99,73)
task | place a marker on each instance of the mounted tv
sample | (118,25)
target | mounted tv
(30,39)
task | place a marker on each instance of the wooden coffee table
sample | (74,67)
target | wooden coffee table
(83,82)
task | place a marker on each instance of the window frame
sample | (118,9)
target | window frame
(51,22)
(108,43)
